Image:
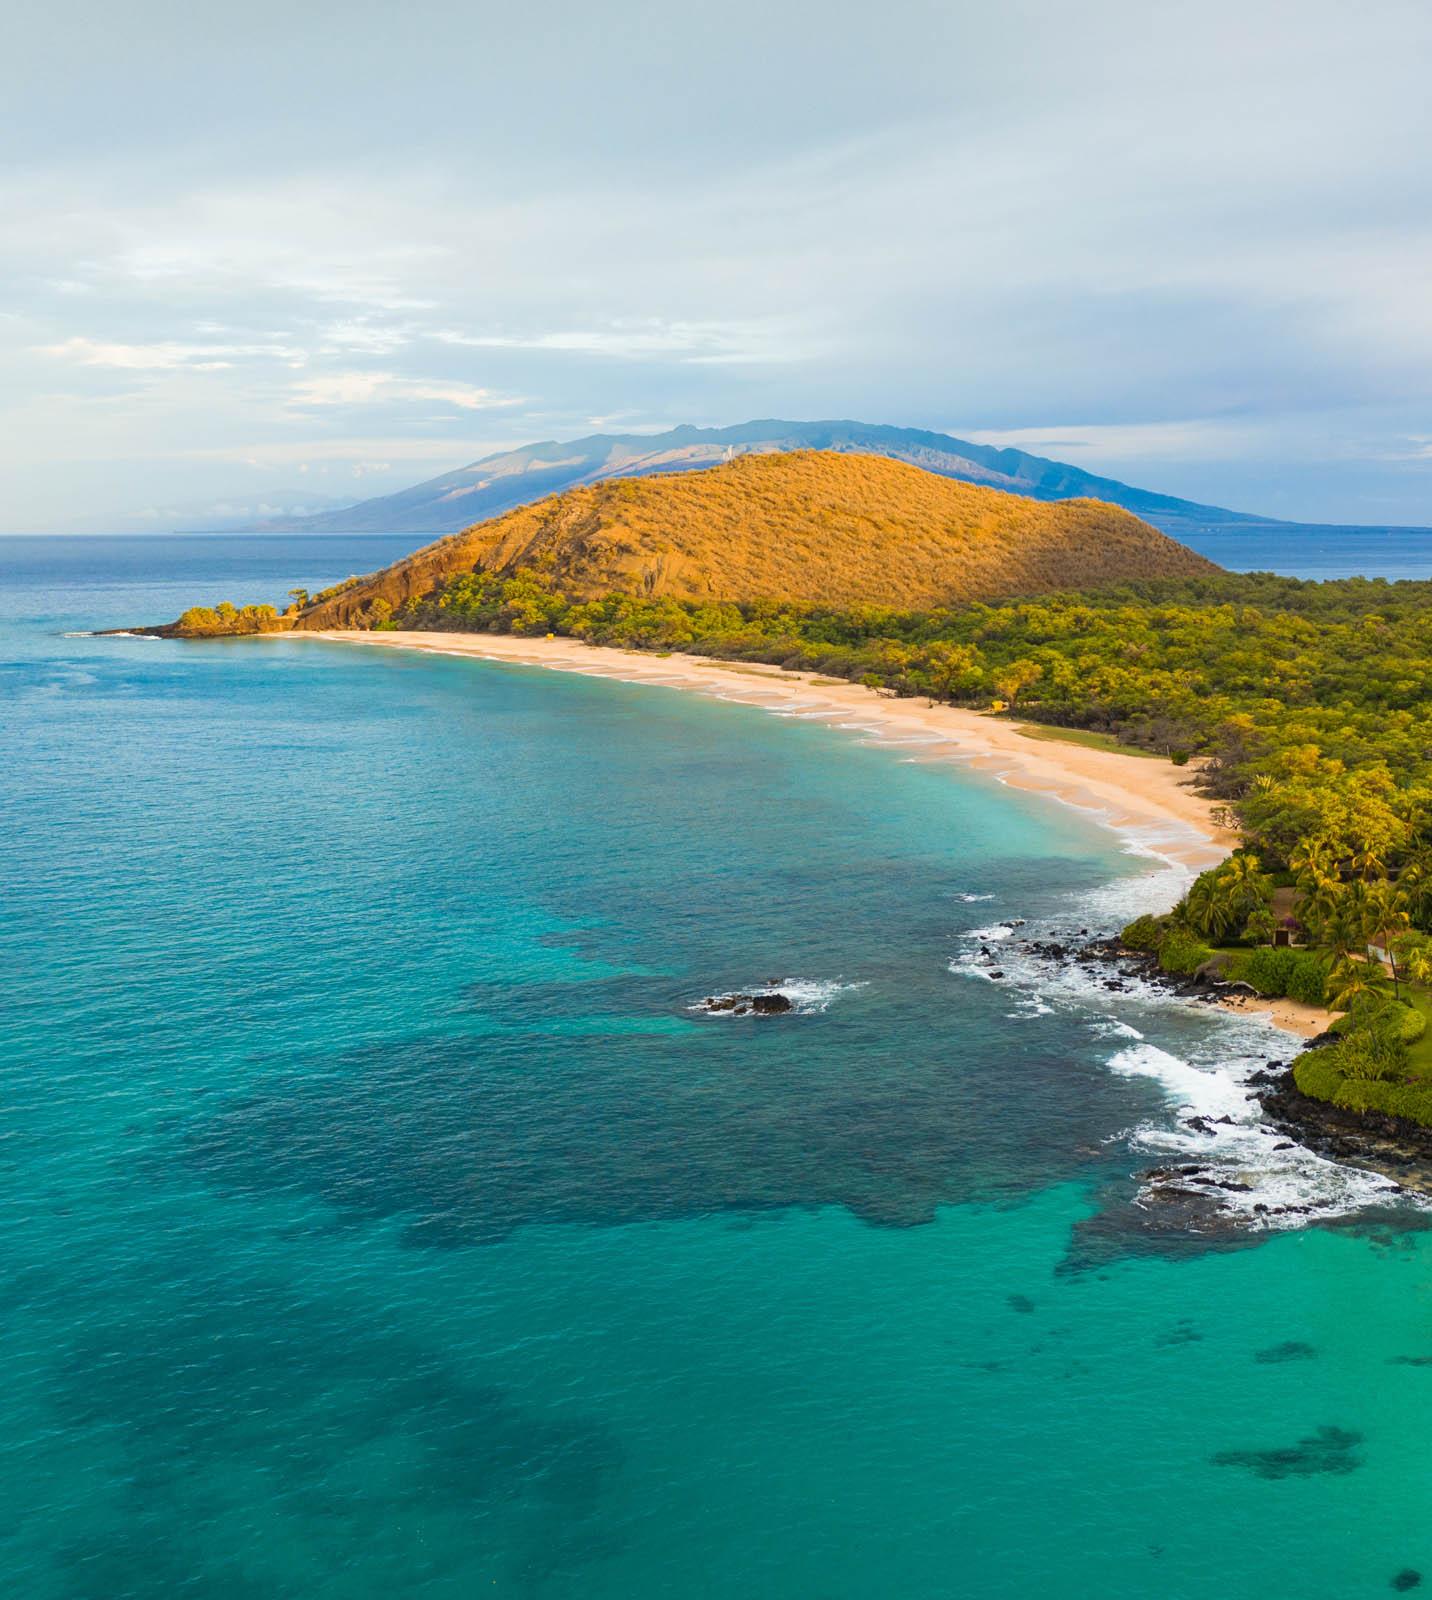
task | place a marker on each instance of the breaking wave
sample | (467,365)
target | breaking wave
(1210,1140)
(808,996)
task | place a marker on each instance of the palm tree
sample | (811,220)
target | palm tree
(1243,872)
(1358,912)
(1314,862)
(1342,929)
(1368,858)
(1387,915)
(1351,981)
(1415,881)
(1212,909)
(1419,964)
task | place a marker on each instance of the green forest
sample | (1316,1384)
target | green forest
(1305,709)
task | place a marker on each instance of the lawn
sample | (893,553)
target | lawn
(1419,1055)
(1087,737)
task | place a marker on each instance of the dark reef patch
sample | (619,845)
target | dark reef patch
(463,1140)
(206,1367)
(1330,1449)
(1289,1350)
(1183,1332)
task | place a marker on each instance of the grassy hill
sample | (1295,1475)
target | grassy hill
(811,527)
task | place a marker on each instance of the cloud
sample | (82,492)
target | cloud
(686,341)
(369,388)
(1200,439)
(165,356)
(1190,240)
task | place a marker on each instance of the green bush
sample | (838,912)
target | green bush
(1267,970)
(1182,954)
(1308,980)
(1361,1094)
(1411,1024)
(1316,1073)
(1372,1049)
(1143,933)
(1410,1100)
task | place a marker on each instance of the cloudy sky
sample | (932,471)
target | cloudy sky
(275,255)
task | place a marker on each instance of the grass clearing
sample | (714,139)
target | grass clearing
(1087,737)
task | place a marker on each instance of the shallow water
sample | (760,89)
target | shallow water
(381,1219)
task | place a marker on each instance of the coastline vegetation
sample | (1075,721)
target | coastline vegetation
(227,618)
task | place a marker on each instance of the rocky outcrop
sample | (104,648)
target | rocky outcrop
(748,1005)
(1393,1146)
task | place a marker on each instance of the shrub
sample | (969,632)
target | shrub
(1372,1049)
(1411,1024)
(1316,1073)
(1308,980)
(1267,970)
(1143,933)
(1410,1100)
(1182,954)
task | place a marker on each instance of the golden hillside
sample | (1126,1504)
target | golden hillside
(810,526)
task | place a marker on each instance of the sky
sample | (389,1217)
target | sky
(268,257)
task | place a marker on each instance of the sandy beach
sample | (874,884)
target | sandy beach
(1125,792)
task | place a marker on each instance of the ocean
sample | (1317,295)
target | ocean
(383,1220)
(1317,550)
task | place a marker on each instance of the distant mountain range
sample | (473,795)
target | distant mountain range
(512,478)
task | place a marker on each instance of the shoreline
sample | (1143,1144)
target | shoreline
(1125,791)
(1122,792)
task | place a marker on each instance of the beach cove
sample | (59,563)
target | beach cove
(1122,790)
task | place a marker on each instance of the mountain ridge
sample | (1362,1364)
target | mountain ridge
(505,479)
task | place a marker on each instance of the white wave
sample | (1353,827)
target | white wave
(815,994)
(1030,1005)
(1250,1176)
(970,899)
(1204,1094)
(808,996)
(1252,1170)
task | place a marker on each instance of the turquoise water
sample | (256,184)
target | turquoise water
(381,1222)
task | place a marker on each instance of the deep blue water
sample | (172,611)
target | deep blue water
(1318,551)
(381,1222)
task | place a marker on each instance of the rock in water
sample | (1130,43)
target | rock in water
(769,1004)
(745,1005)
